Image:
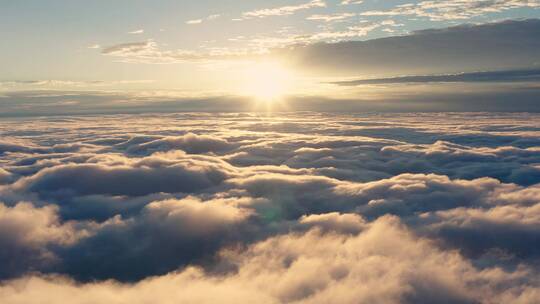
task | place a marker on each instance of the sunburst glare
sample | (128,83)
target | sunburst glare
(267,81)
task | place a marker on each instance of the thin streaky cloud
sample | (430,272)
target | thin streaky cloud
(348,2)
(199,21)
(194,21)
(136,32)
(525,75)
(331,18)
(453,9)
(283,10)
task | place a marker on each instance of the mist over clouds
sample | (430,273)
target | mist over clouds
(304,207)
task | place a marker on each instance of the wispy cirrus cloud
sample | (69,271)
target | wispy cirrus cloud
(194,21)
(200,21)
(136,32)
(331,18)
(348,2)
(283,10)
(453,9)
(151,52)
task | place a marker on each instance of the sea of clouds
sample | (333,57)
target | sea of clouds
(292,208)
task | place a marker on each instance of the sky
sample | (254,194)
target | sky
(207,49)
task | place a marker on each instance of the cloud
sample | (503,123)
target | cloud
(282,11)
(411,207)
(348,2)
(527,75)
(199,21)
(194,21)
(331,18)
(191,143)
(385,263)
(150,52)
(146,176)
(58,84)
(445,97)
(136,32)
(489,234)
(5,176)
(483,48)
(27,233)
(453,9)
(171,234)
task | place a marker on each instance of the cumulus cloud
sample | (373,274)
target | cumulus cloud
(190,143)
(5,176)
(385,263)
(391,208)
(170,234)
(27,234)
(124,177)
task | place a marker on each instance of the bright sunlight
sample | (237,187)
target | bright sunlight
(267,81)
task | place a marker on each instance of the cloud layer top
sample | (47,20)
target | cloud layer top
(297,208)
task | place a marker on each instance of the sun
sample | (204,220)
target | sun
(266,81)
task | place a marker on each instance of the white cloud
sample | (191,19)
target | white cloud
(348,2)
(284,10)
(331,18)
(385,263)
(199,21)
(136,32)
(453,9)
(194,21)
(150,52)
(391,208)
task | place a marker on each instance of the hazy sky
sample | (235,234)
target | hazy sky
(215,48)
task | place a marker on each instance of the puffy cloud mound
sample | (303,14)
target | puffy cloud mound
(300,208)
(385,263)
(26,232)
